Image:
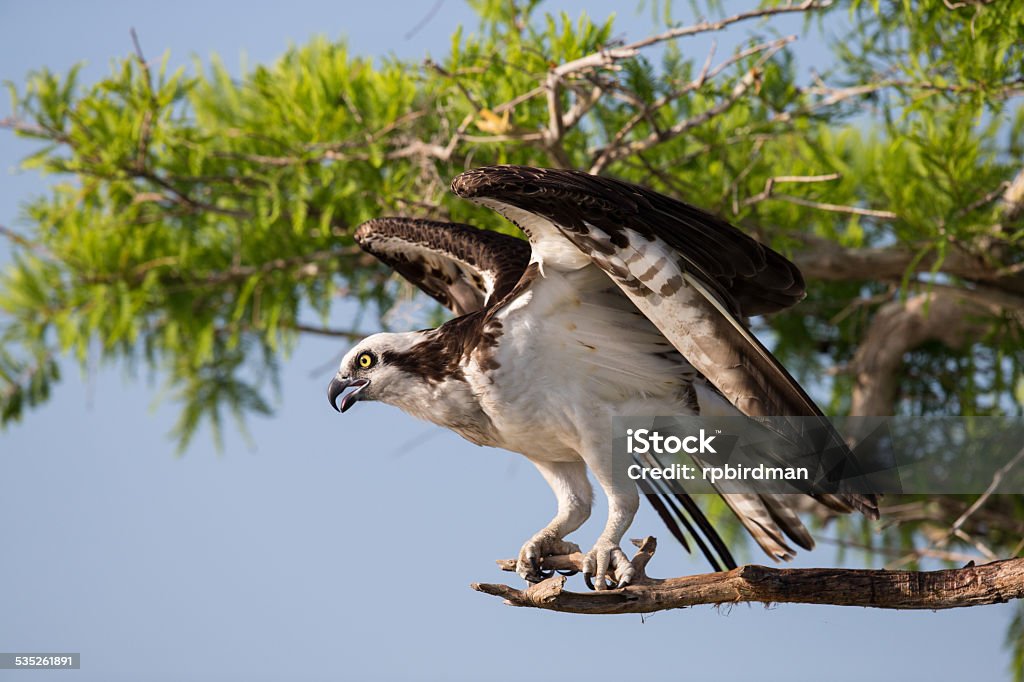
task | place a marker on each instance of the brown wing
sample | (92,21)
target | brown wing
(462,267)
(691,274)
(752,278)
(694,276)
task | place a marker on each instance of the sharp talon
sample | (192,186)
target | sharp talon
(568,573)
(537,574)
(588,581)
(621,584)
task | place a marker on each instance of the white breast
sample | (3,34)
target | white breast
(572,354)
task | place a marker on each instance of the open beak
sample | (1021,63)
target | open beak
(339,385)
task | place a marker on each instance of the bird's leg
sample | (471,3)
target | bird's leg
(606,559)
(569,482)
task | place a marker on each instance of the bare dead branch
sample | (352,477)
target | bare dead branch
(328,331)
(923,552)
(141,57)
(997,478)
(992,583)
(303,266)
(146,127)
(901,326)
(608,57)
(826,260)
(584,103)
(837,208)
(985,199)
(707,26)
(33,130)
(555,125)
(603,156)
(491,139)
(833,96)
(24,242)
(602,59)
(863,302)
(516,101)
(657,137)
(987,300)
(183,198)
(441,71)
(769,185)
(424,21)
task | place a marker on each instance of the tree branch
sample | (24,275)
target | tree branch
(604,155)
(897,328)
(624,149)
(835,208)
(828,261)
(707,26)
(769,185)
(956,529)
(993,583)
(349,334)
(305,266)
(24,242)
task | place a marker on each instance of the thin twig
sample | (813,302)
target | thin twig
(988,198)
(660,136)
(328,331)
(708,26)
(145,128)
(25,242)
(604,154)
(424,21)
(769,185)
(956,528)
(837,208)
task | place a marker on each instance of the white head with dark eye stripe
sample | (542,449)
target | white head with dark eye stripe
(373,371)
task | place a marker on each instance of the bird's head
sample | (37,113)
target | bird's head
(375,370)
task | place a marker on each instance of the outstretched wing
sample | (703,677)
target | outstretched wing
(461,267)
(657,237)
(690,273)
(693,275)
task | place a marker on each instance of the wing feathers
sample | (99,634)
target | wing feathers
(462,267)
(752,276)
(691,274)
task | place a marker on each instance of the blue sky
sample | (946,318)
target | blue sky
(341,547)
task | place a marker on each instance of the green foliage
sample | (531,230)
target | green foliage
(209,214)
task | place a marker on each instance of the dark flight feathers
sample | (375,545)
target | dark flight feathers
(459,266)
(750,277)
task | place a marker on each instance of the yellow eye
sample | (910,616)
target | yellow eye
(366,360)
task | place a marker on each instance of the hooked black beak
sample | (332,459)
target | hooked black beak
(338,386)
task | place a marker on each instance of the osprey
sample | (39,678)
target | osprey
(623,302)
